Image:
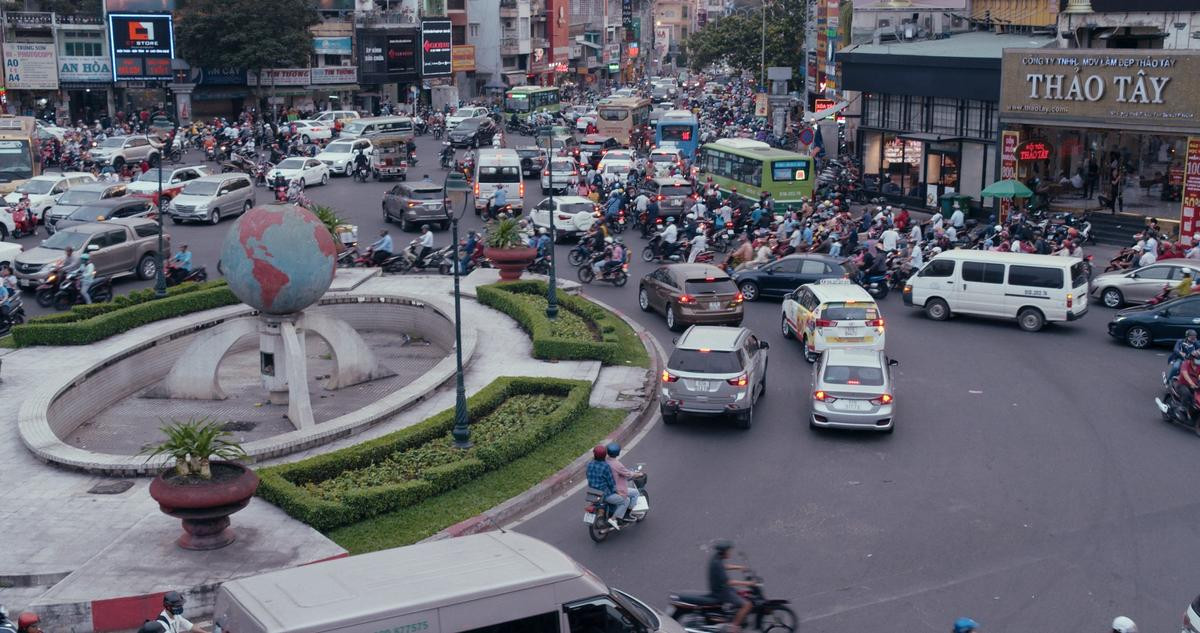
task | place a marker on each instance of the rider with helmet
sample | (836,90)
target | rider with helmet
(600,478)
(29,622)
(170,619)
(722,588)
(624,476)
(1183,348)
(965,625)
(1122,624)
(361,162)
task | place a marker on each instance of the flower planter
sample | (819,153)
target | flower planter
(204,506)
(511,261)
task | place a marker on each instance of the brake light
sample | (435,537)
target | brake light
(1070,299)
(875,323)
(662,197)
(823,397)
(686,299)
(738,298)
(669,377)
(546,172)
(826,323)
(521,190)
(882,399)
(738,381)
(908,288)
(477,189)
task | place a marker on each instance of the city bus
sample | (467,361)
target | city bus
(752,167)
(626,119)
(20,158)
(681,128)
(524,100)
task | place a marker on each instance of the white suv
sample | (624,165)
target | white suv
(119,150)
(464,113)
(43,191)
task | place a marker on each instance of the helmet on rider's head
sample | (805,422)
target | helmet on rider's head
(671,220)
(541,230)
(1190,334)
(965,625)
(1122,624)
(614,449)
(424,227)
(599,452)
(84,257)
(608,240)
(26,620)
(721,546)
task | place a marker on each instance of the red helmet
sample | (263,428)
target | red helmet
(599,452)
(27,620)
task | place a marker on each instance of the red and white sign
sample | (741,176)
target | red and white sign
(1008,154)
(1032,150)
(334,75)
(281,77)
(1191,191)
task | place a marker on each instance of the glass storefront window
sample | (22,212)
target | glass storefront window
(900,168)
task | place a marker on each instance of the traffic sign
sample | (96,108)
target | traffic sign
(807,136)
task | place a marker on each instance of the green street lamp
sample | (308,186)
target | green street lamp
(456,194)
(544,132)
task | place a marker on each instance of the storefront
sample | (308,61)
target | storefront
(1117,121)
(387,65)
(84,73)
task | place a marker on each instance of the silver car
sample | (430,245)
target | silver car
(714,370)
(853,389)
(1122,287)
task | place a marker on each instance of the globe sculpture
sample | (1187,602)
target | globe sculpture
(279,259)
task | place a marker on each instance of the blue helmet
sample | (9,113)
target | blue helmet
(965,625)
(614,449)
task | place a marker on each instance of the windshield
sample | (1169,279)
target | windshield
(499,174)
(852,375)
(562,165)
(79,196)
(340,148)
(291,163)
(614,114)
(576,207)
(62,239)
(425,194)
(152,176)
(706,362)
(355,128)
(516,104)
(849,312)
(617,168)
(201,188)
(16,160)
(88,212)
(468,124)
(113,142)
(35,186)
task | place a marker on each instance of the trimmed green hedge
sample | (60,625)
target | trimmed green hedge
(284,485)
(546,345)
(85,324)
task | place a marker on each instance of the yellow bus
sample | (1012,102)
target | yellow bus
(625,119)
(20,159)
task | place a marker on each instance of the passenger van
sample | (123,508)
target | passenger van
(1033,289)
(832,313)
(355,128)
(495,167)
(498,582)
(211,198)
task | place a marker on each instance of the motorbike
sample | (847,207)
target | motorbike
(410,261)
(447,156)
(540,265)
(361,173)
(260,173)
(653,250)
(24,223)
(596,513)
(1177,406)
(875,283)
(702,612)
(12,312)
(176,275)
(580,254)
(210,154)
(617,276)
(1123,260)
(70,294)
(44,294)
(1162,295)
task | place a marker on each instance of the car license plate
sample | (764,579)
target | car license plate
(714,305)
(853,405)
(25,283)
(676,200)
(589,517)
(850,331)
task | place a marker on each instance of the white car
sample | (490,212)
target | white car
(619,167)
(9,252)
(43,191)
(464,113)
(665,157)
(573,215)
(173,180)
(308,170)
(339,155)
(312,130)
(45,130)
(558,174)
(615,155)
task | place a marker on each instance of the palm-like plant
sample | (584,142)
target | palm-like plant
(193,444)
(504,233)
(328,217)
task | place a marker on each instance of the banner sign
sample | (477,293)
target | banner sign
(334,75)
(280,77)
(1191,191)
(1008,154)
(332,45)
(84,69)
(141,46)
(437,57)
(30,66)
(462,58)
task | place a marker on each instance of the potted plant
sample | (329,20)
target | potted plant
(344,235)
(505,246)
(206,485)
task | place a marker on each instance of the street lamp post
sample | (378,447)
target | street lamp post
(160,278)
(456,194)
(552,287)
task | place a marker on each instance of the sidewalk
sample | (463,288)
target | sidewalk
(92,560)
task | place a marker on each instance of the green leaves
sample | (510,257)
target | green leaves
(737,39)
(193,443)
(249,34)
(504,233)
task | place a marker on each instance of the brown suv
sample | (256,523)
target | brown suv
(691,294)
(122,246)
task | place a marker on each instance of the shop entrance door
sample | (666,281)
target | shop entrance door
(941,175)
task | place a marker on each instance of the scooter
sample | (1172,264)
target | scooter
(701,612)
(176,275)
(24,223)
(1162,296)
(12,312)
(1175,407)
(447,156)
(597,512)
(70,294)
(44,294)
(617,276)
(876,284)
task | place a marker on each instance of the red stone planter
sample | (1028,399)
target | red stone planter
(511,261)
(204,508)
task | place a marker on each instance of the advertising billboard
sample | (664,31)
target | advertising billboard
(141,46)
(436,48)
(30,66)
(387,55)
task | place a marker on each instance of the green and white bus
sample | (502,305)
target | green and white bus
(524,100)
(752,167)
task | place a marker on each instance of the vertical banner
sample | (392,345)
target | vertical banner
(1191,191)
(1009,141)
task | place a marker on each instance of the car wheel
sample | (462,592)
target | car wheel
(176,221)
(745,418)
(749,291)
(1112,298)
(670,418)
(672,322)
(1138,337)
(325,178)
(809,355)
(1031,319)
(214,217)
(786,327)
(406,226)
(147,267)
(643,300)
(937,310)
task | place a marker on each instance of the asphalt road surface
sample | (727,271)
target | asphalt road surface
(1030,483)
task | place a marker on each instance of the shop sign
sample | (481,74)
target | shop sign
(218,76)
(332,45)
(30,66)
(1032,150)
(1115,86)
(436,48)
(1008,154)
(84,69)
(334,75)
(462,58)
(822,104)
(614,68)
(761,106)
(141,46)
(280,77)
(1191,191)
(561,67)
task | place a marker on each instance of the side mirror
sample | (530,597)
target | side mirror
(175,181)
(92,248)
(222,192)
(764,345)
(893,362)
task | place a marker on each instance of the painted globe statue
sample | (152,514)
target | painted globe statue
(279,258)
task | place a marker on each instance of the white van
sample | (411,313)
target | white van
(1033,289)
(354,128)
(498,581)
(495,167)
(329,116)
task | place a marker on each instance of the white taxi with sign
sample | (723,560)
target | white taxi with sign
(832,313)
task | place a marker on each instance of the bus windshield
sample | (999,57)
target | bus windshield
(517,103)
(16,160)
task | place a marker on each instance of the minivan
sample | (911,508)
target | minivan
(82,194)
(496,167)
(496,581)
(674,195)
(211,198)
(1033,289)
(355,128)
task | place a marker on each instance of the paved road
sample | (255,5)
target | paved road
(1029,484)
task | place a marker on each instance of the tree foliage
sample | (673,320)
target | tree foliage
(249,34)
(737,39)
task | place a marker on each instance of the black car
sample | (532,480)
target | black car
(473,132)
(1144,325)
(533,160)
(777,278)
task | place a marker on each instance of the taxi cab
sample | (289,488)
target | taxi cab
(832,313)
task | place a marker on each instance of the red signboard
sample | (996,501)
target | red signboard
(1032,150)
(1008,155)
(1191,191)
(822,104)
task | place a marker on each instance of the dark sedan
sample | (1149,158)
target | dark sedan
(1143,326)
(777,278)
(473,132)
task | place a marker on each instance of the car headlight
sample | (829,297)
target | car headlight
(1118,318)
(202,206)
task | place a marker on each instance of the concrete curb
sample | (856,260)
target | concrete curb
(572,473)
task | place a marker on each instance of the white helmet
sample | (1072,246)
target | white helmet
(608,240)
(691,216)
(1122,624)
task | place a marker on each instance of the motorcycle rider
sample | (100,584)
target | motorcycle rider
(425,244)
(698,245)
(541,242)
(381,249)
(965,625)
(180,265)
(624,476)
(447,155)
(600,478)
(670,239)
(614,257)
(1122,624)
(499,199)
(361,162)
(720,587)
(1183,348)
(29,622)
(87,277)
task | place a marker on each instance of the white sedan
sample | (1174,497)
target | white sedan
(308,170)
(339,155)
(573,215)
(559,172)
(615,156)
(464,113)
(312,130)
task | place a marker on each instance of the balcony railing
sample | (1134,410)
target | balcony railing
(510,45)
(385,17)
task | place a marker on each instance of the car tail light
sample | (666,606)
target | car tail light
(908,288)
(662,197)
(826,323)
(669,377)
(546,172)
(521,190)
(686,299)
(477,189)
(563,217)
(738,298)
(882,399)
(875,323)
(738,381)
(1070,299)
(823,397)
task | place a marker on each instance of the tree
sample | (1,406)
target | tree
(246,34)
(737,39)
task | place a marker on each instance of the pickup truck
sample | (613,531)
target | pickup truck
(117,247)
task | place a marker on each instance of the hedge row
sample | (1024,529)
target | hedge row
(546,346)
(88,310)
(90,323)
(284,485)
